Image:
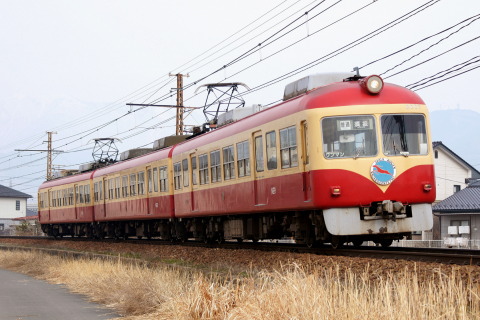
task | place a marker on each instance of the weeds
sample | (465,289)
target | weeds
(294,292)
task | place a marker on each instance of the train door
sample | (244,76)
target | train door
(194,181)
(103,201)
(149,189)
(259,183)
(76,200)
(305,161)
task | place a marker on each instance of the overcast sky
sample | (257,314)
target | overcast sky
(71,66)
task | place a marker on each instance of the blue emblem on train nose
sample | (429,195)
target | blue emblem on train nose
(383,171)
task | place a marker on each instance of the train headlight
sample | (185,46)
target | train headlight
(373,84)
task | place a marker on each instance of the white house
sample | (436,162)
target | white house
(452,174)
(13,204)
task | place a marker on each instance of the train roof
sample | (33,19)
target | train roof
(66,180)
(333,95)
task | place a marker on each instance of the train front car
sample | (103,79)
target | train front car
(370,162)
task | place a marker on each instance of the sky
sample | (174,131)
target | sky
(72,66)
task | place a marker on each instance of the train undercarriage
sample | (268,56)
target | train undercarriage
(304,227)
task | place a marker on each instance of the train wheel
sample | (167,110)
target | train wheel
(336,242)
(357,243)
(386,243)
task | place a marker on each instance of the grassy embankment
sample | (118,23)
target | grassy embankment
(140,292)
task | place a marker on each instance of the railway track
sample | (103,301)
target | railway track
(444,256)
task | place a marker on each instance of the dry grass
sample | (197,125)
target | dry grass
(294,292)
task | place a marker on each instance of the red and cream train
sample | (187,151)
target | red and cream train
(337,162)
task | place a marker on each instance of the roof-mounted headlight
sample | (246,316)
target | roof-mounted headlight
(373,84)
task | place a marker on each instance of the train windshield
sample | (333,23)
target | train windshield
(404,134)
(347,137)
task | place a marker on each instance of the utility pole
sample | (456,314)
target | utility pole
(180,108)
(49,153)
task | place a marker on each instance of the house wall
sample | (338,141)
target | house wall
(8,208)
(449,172)
(473,221)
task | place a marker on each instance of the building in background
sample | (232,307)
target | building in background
(456,195)
(13,204)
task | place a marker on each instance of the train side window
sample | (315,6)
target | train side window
(288,147)
(177,175)
(87,193)
(82,198)
(141,183)
(100,189)
(163,179)
(228,163)
(259,166)
(125,186)
(95,192)
(203,166)
(243,159)
(150,182)
(155,179)
(77,195)
(185,172)
(271,145)
(133,184)
(117,188)
(70,196)
(215,166)
(64,196)
(194,171)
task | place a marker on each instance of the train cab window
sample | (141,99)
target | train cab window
(163,179)
(125,186)
(404,134)
(271,145)
(349,137)
(133,184)
(215,166)
(259,166)
(288,147)
(203,168)
(243,159)
(155,179)
(141,183)
(194,171)
(228,163)
(177,175)
(185,172)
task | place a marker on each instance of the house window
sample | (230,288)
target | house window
(17,205)
(436,154)
(456,188)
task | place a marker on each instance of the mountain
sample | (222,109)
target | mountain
(459,130)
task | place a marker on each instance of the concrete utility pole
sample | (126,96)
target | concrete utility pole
(49,153)
(180,108)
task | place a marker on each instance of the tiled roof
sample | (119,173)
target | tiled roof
(6,192)
(463,201)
